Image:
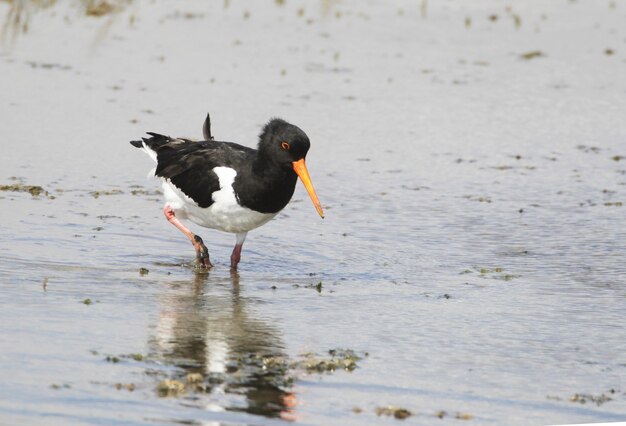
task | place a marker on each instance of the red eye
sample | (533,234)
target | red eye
(285,145)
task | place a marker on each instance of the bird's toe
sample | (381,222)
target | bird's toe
(202,253)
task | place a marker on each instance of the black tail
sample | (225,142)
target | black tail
(206,129)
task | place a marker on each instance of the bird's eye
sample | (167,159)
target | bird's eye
(285,145)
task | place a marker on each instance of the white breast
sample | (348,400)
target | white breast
(224,214)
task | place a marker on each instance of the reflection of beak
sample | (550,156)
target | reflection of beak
(300,168)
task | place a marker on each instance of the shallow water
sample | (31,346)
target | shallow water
(472,253)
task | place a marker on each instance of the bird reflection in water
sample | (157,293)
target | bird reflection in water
(206,327)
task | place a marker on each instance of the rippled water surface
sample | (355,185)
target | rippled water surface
(471,266)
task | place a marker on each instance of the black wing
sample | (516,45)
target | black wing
(189,165)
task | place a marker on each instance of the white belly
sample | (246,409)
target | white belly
(224,214)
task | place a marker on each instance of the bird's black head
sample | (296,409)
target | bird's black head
(283,143)
(286,145)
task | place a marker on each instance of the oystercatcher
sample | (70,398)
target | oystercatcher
(227,186)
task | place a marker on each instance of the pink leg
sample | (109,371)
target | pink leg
(236,256)
(202,254)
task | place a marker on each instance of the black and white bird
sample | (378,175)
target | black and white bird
(227,186)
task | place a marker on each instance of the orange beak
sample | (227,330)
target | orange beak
(300,168)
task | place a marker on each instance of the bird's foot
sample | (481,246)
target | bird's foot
(202,253)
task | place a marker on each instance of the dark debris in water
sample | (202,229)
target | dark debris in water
(57,386)
(463,416)
(119,358)
(338,359)
(171,387)
(493,273)
(140,190)
(97,194)
(479,198)
(459,415)
(48,66)
(532,55)
(397,412)
(600,399)
(583,398)
(588,149)
(99,8)
(128,386)
(318,287)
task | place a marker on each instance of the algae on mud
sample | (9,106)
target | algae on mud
(390,410)
(34,190)
(272,375)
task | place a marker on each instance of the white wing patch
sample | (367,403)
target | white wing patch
(225,214)
(225,197)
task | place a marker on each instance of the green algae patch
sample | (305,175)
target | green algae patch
(99,8)
(397,412)
(337,359)
(318,287)
(34,190)
(496,273)
(463,416)
(127,386)
(194,378)
(532,55)
(138,190)
(118,358)
(459,415)
(273,372)
(583,398)
(171,388)
(478,198)
(57,386)
(98,194)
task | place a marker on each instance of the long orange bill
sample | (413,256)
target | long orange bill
(300,168)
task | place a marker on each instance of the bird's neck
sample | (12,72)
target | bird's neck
(270,188)
(264,166)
